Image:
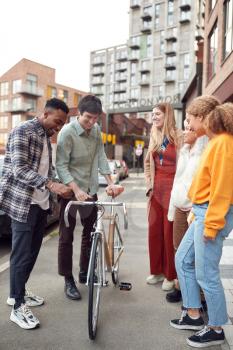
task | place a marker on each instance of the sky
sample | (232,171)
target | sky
(61,34)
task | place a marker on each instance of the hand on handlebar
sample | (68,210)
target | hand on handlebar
(81,195)
(114,190)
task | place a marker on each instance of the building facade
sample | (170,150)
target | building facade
(218,49)
(159,57)
(24,89)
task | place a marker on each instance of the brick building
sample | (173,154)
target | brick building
(218,49)
(24,89)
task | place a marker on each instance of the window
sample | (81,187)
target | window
(3,139)
(149,51)
(3,122)
(4,105)
(16,120)
(186,59)
(170,13)
(157,12)
(16,103)
(31,104)
(133,68)
(181,87)
(51,92)
(147,11)
(31,82)
(133,80)
(162,42)
(77,98)
(4,88)
(16,86)
(171,74)
(134,93)
(65,98)
(213,46)
(186,73)
(228,28)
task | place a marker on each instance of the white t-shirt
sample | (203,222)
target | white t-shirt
(42,197)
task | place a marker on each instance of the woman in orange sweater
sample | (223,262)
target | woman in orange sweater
(211,192)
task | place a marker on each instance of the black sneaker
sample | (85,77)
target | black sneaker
(174,297)
(186,322)
(206,337)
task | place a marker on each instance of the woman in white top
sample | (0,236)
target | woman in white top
(180,205)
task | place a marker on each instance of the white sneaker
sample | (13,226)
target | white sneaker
(168,285)
(24,318)
(153,279)
(31,300)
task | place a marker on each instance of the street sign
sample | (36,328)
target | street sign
(138,152)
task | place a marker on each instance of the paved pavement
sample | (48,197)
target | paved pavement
(133,320)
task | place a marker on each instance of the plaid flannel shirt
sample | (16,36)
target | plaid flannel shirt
(20,171)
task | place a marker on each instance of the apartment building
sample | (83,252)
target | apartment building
(218,49)
(24,89)
(158,59)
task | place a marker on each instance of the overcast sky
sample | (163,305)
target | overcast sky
(61,34)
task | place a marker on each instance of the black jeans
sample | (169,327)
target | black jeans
(26,243)
(88,217)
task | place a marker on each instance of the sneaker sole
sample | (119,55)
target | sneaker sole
(8,302)
(186,327)
(204,345)
(156,282)
(15,320)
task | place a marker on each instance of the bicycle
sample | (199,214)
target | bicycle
(104,257)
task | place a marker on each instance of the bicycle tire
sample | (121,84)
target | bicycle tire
(94,286)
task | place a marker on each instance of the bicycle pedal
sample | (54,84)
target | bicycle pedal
(125,286)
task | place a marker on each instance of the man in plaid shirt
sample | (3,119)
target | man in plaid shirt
(25,189)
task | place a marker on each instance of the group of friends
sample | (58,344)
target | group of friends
(189,178)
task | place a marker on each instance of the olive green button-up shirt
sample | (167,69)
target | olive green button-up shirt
(80,155)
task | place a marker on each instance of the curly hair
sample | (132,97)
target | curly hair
(221,119)
(203,105)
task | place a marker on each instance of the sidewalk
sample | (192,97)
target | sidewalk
(135,320)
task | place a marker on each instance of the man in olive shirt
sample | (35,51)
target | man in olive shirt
(80,153)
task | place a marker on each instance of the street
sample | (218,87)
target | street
(137,320)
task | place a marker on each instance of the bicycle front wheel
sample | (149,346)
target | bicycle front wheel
(95,284)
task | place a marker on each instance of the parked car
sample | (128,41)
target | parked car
(115,174)
(5,221)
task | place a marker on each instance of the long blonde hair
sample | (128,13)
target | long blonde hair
(169,128)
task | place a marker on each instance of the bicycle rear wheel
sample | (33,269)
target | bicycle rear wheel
(95,284)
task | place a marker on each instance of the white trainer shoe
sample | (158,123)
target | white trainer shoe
(31,300)
(153,279)
(24,318)
(168,285)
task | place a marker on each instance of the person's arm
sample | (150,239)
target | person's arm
(147,173)
(19,145)
(221,172)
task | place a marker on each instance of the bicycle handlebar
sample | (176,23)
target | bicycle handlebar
(109,204)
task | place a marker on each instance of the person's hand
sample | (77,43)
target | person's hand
(190,218)
(60,189)
(81,195)
(114,190)
(207,238)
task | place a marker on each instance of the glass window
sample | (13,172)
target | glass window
(162,42)
(213,46)
(3,138)
(157,12)
(133,80)
(16,103)
(228,28)
(4,105)
(170,14)
(186,73)
(181,87)
(31,104)
(4,88)
(133,68)
(3,122)
(65,99)
(16,120)
(134,93)
(186,59)
(31,82)
(16,86)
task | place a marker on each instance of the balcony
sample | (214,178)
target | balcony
(134,56)
(99,93)
(146,16)
(134,43)
(185,5)
(28,89)
(122,56)
(19,107)
(185,17)
(135,4)
(97,72)
(171,35)
(169,80)
(121,67)
(145,82)
(98,61)
(120,88)
(146,28)
(170,52)
(121,77)
(145,69)
(170,65)
(97,82)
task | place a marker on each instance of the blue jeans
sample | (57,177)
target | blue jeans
(197,265)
